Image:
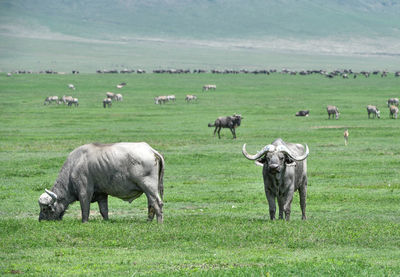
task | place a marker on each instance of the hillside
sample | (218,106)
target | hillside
(313,26)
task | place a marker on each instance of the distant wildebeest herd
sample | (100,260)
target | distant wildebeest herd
(344,73)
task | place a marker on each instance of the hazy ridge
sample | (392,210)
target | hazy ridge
(336,27)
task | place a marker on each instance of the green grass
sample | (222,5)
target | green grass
(216,218)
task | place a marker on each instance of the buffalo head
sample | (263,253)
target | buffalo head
(50,208)
(275,157)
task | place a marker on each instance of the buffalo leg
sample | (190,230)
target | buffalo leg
(271,204)
(85,208)
(155,204)
(103,206)
(215,130)
(280,205)
(287,203)
(303,195)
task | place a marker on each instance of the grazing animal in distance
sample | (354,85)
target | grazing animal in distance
(120,86)
(332,110)
(303,113)
(71,86)
(110,95)
(284,172)
(93,171)
(393,101)
(66,99)
(190,97)
(160,99)
(209,87)
(51,99)
(107,102)
(171,98)
(118,97)
(73,101)
(374,111)
(346,136)
(231,122)
(394,111)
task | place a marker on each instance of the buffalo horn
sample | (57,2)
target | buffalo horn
(52,194)
(267,148)
(291,154)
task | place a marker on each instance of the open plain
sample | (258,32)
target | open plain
(215,211)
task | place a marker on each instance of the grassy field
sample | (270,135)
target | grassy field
(215,211)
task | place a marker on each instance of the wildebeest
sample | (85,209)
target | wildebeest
(332,110)
(93,171)
(393,101)
(303,113)
(209,87)
(190,97)
(231,122)
(73,101)
(393,112)
(71,86)
(160,99)
(284,172)
(107,102)
(51,99)
(374,110)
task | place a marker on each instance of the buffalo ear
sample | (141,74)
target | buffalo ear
(288,160)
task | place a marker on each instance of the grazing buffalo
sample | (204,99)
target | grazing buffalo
(120,86)
(71,86)
(190,97)
(374,111)
(284,171)
(107,102)
(393,101)
(51,99)
(231,122)
(332,110)
(394,111)
(93,171)
(303,113)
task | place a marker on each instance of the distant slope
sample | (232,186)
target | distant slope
(208,18)
(90,34)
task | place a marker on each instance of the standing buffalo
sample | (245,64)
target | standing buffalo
(374,110)
(209,87)
(73,101)
(332,110)
(303,113)
(66,99)
(231,122)
(394,111)
(284,172)
(94,171)
(118,97)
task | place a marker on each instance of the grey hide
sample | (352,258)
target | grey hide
(332,110)
(93,171)
(284,172)
(374,111)
(393,112)
(231,122)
